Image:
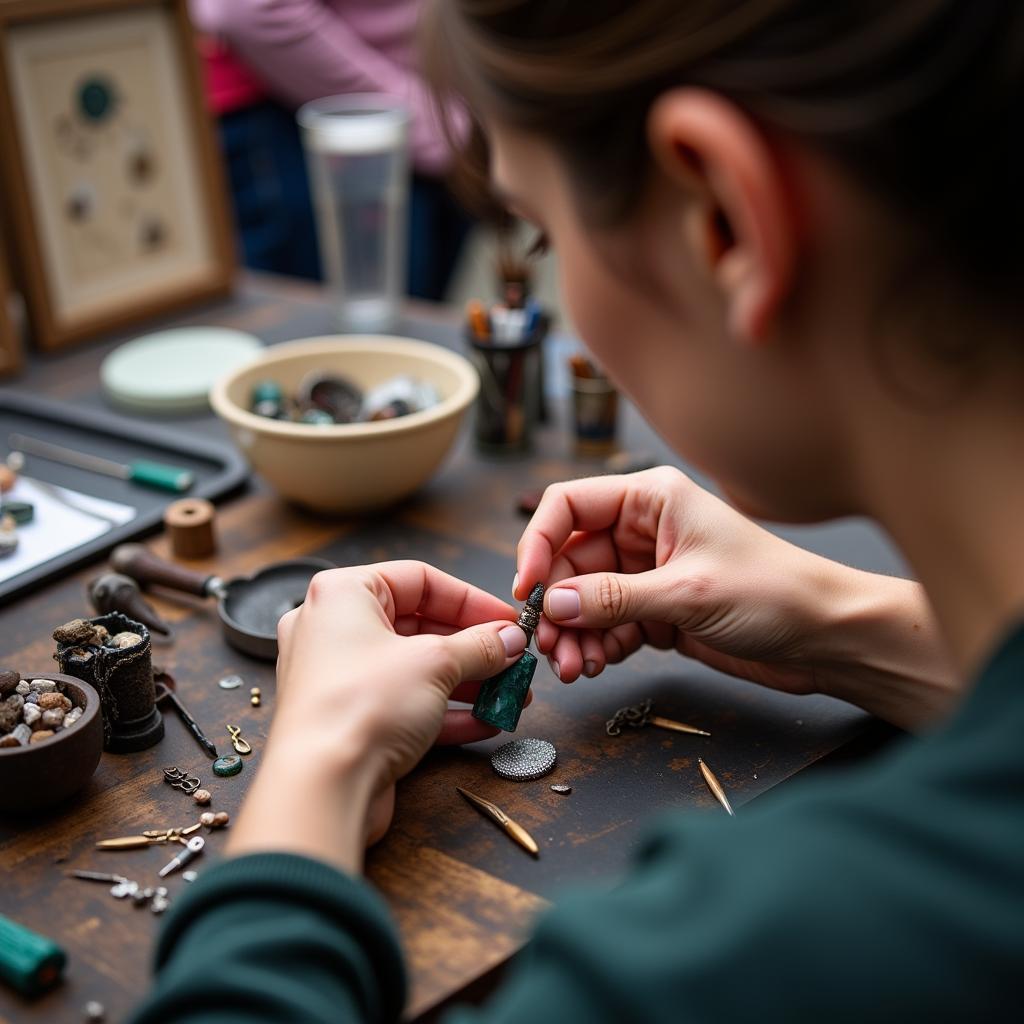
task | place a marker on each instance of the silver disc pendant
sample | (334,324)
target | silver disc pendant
(523,760)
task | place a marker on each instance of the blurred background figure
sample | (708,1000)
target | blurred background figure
(263,59)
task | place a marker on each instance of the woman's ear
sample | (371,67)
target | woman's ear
(746,231)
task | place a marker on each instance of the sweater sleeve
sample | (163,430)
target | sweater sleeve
(276,937)
(305,49)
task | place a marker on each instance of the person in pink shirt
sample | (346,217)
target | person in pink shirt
(263,59)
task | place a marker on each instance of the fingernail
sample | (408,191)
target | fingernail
(515,584)
(590,668)
(563,604)
(556,668)
(513,639)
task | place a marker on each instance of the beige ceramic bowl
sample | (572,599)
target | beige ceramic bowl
(349,467)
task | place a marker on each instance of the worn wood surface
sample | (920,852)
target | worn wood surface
(462,894)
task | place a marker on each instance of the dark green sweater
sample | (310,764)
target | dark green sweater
(893,892)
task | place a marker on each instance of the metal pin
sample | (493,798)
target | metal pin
(515,831)
(715,786)
(193,848)
(669,723)
(98,876)
(165,693)
(241,745)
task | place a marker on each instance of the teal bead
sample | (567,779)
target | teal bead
(225,766)
(501,698)
(266,391)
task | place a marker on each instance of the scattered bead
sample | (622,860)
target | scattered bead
(94,1012)
(202,797)
(189,876)
(220,819)
(254,701)
(226,766)
(206,818)
(528,501)
(559,788)
(230,682)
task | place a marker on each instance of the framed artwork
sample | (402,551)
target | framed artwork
(110,170)
(10,342)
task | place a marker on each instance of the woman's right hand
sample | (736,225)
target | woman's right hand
(652,558)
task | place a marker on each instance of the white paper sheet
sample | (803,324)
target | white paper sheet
(64,519)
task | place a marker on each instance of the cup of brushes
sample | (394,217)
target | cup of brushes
(502,697)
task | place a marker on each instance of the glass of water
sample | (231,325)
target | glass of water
(358,159)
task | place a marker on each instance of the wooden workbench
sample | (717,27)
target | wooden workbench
(462,894)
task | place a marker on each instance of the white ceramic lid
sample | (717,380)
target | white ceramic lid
(173,371)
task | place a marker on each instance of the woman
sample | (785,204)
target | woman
(790,231)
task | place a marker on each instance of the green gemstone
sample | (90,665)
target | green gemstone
(501,698)
(96,99)
(225,766)
(266,391)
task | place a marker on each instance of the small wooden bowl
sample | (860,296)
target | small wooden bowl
(43,774)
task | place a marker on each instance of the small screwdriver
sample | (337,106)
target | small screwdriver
(139,471)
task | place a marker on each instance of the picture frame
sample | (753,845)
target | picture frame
(10,339)
(115,194)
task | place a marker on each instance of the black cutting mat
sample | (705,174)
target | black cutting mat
(218,470)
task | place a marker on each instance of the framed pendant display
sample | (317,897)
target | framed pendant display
(112,180)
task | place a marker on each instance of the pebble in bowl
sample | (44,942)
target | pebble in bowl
(61,759)
(348,467)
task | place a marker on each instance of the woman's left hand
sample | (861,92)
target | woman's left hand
(366,668)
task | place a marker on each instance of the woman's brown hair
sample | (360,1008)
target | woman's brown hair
(921,100)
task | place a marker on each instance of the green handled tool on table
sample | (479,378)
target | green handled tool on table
(139,471)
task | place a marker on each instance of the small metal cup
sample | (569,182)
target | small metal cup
(509,400)
(596,413)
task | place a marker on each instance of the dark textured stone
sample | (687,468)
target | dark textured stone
(9,679)
(501,698)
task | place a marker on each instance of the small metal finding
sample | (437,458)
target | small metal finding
(559,788)
(240,744)
(524,760)
(179,779)
(98,876)
(193,848)
(715,786)
(640,715)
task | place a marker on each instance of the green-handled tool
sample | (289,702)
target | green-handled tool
(138,471)
(30,962)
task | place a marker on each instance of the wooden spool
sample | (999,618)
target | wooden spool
(189,523)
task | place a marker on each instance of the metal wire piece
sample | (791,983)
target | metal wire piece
(635,716)
(640,715)
(523,760)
